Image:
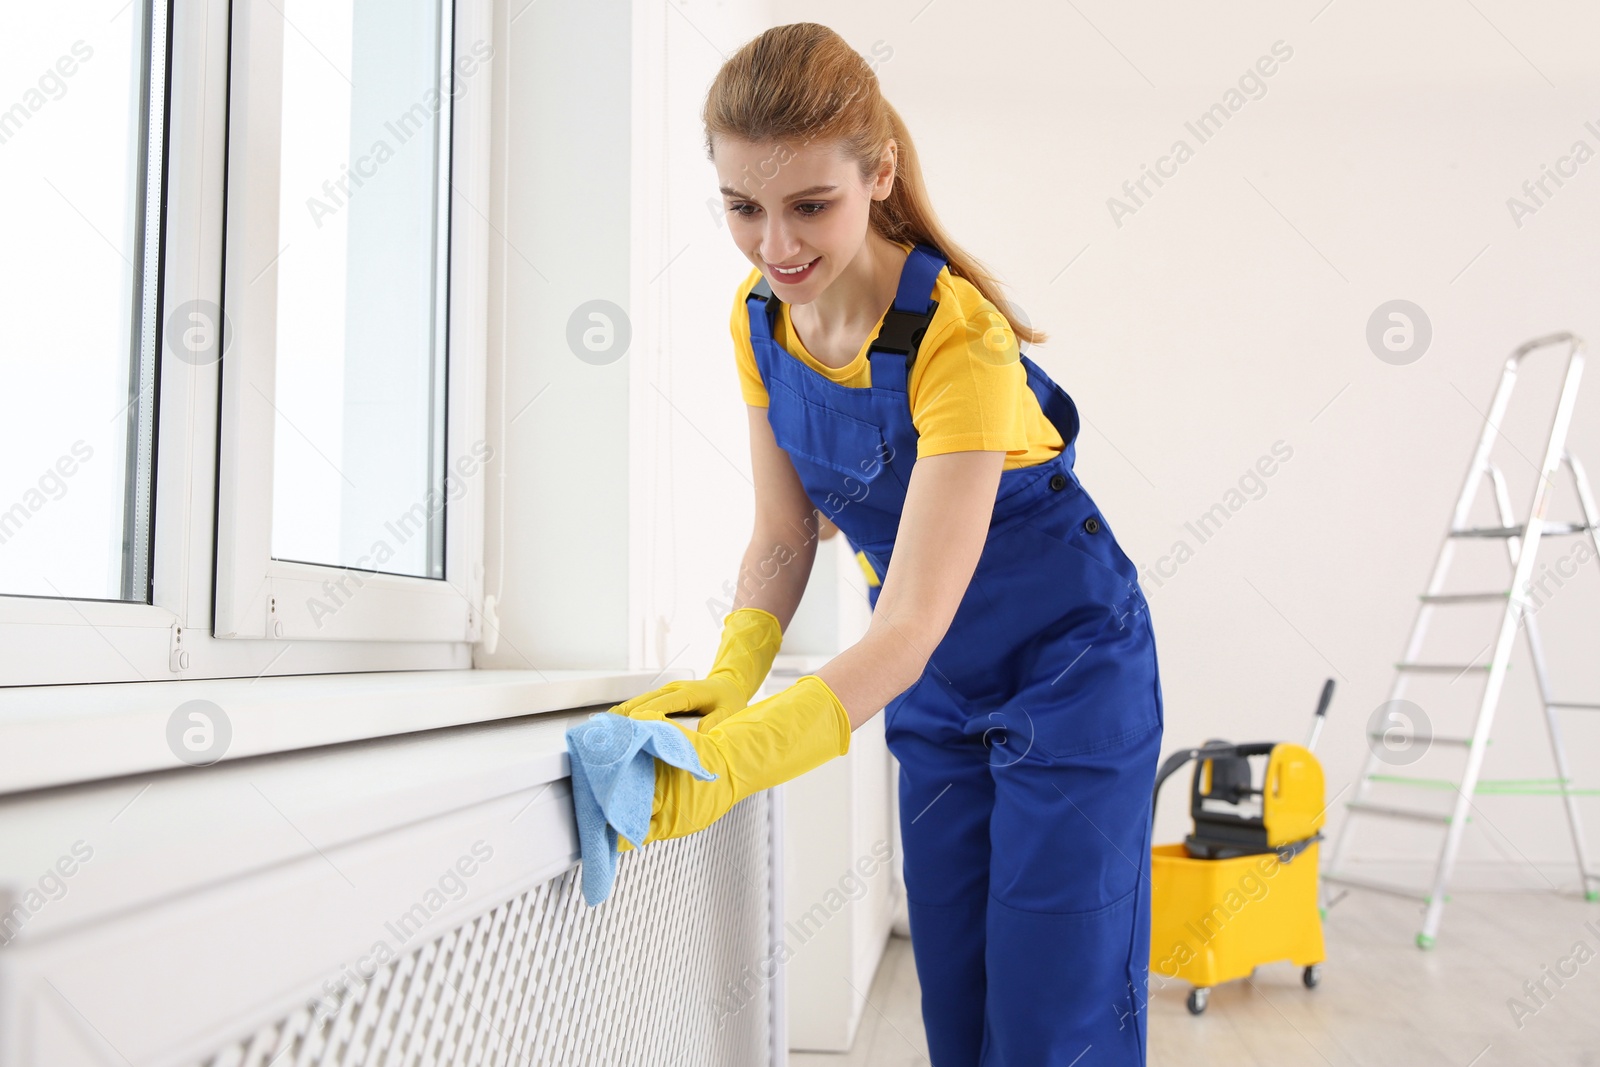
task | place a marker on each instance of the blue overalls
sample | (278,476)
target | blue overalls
(1028,747)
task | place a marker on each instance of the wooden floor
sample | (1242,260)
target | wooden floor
(1381,1000)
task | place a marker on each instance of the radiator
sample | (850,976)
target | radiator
(222,917)
(544,980)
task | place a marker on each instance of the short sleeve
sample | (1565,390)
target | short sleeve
(751,386)
(969,388)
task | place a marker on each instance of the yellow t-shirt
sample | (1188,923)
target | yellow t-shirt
(968,389)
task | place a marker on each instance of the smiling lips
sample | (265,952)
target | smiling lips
(792,275)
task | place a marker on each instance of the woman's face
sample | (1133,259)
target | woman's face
(798,214)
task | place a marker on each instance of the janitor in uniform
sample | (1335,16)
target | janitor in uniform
(1010,647)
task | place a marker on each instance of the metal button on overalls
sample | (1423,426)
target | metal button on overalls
(1028,747)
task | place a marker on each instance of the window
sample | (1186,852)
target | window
(359,398)
(80,151)
(244,414)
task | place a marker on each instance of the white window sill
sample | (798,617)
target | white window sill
(56,735)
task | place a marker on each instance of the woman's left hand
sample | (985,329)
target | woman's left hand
(770,742)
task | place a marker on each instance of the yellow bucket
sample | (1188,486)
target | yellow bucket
(1215,920)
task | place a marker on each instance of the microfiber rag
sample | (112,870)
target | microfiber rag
(613,786)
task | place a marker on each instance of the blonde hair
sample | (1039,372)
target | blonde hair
(803,81)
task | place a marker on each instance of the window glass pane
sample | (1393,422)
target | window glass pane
(78,284)
(358,475)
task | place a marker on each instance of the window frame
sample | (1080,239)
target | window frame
(394,623)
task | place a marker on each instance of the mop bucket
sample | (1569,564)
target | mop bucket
(1241,889)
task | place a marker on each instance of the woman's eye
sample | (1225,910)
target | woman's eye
(809,210)
(740,209)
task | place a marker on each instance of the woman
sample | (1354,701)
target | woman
(1010,646)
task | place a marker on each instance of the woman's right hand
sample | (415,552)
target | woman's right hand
(716,697)
(750,640)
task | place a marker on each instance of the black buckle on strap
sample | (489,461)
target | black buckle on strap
(762,291)
(902,331)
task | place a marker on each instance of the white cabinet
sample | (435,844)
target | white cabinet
(840,843)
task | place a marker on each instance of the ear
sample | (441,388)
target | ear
(888,162)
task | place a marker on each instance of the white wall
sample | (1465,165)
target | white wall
(691,474)
(1225,315)
(557,543)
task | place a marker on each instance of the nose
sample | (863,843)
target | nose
(778,244)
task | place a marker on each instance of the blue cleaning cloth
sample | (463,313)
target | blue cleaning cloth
(613,786)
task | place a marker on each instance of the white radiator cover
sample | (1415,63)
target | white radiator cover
(284,911)
(494,990)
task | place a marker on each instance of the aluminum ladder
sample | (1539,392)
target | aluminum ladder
(1522,546)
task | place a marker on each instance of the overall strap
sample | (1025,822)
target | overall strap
(894,350)
(908,317)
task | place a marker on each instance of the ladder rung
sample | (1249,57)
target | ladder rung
(1443,668)
(1575,707)
(1551,529)
(1376,887)
(1398,813)
(1463,598)
(1405,742)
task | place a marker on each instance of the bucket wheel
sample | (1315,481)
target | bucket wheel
(1311,975)
(1197,999)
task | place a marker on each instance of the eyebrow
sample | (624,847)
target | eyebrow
(801,195)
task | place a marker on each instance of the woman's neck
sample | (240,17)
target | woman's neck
(856,300)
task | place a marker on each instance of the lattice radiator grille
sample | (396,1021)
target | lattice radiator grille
(648,978)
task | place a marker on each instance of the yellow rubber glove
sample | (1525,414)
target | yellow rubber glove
(768,743)
(750,641)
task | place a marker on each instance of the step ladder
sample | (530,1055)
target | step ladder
(1522,540)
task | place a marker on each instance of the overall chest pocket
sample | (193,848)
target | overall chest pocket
(840,458)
